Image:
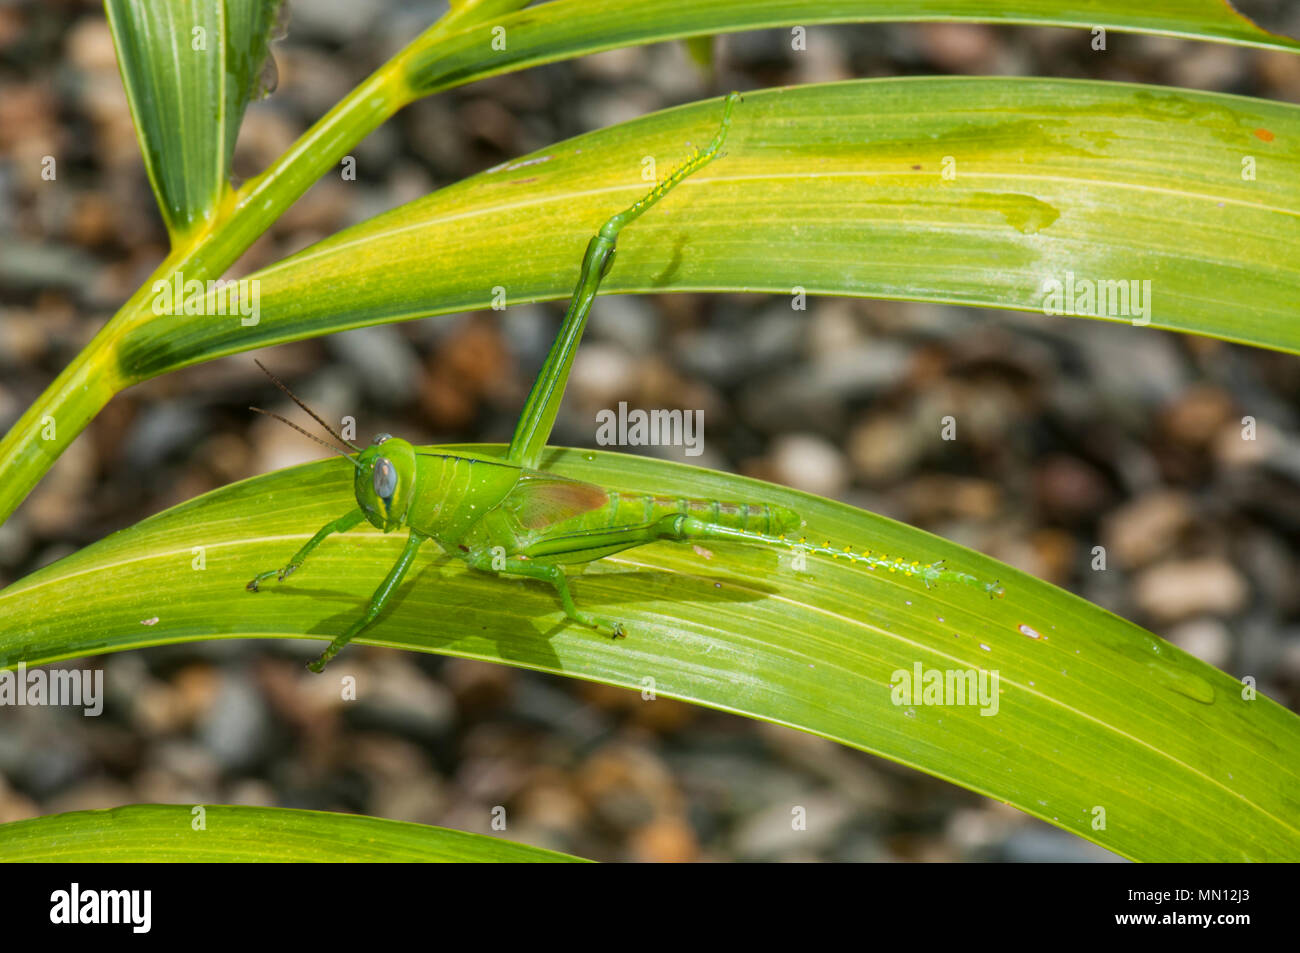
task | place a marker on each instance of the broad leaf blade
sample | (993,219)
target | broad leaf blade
(562,29)
(189,68)
(1093,711)
(844,189)
(159,833)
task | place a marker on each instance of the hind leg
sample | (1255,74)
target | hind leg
(571,547)
(528,569)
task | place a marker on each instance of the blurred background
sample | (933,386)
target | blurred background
(1087,436)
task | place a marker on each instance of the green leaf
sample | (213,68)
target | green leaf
(165,833)
(189,68)
(562,29)
(250,67)
(1093,711)
(841,189)
(473,11)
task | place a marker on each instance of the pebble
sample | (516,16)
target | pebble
(385,364)
(962,47)
(1235,445)
(1132,378)
(884,448)
(826,57)
(665,840)
(810,463)
(234,729)
(1044,845)
(1177,590)
(162,430)
(1197,415)
(1147,528)
(601,375)
(771,834)
(337,21)
(1206,638)
(396,696)
(1070,489)
(628,320)
(89,46)
(615,65)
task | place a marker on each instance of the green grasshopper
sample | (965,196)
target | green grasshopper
(508,517)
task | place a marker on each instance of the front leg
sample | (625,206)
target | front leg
(340,525)
(377,601)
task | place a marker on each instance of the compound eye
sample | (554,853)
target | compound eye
(382,437)
(385,478)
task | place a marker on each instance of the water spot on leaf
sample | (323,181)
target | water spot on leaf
(1024,213)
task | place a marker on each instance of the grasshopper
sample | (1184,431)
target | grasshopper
(508,517)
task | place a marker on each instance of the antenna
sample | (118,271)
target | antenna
(294,397)
(310,436)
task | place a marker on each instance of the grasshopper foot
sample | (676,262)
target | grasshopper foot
(255,584)
(614,630)
(319,663)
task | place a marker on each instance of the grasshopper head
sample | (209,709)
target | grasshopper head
(385,481)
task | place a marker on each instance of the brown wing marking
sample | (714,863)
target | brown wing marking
(543,499)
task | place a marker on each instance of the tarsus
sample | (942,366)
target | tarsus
(929,574)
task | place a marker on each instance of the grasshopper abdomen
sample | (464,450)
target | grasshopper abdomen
(639,509)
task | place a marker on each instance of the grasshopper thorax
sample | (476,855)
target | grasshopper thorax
(385,481)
